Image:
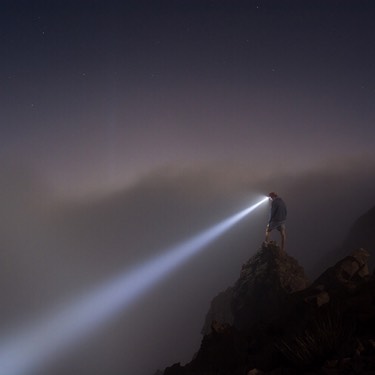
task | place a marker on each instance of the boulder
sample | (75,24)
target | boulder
(346,273)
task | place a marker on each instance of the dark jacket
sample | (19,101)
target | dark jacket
(278,210)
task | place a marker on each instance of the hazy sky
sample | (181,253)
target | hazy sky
(127,126)
(95,93)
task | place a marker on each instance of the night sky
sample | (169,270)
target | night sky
(127,126)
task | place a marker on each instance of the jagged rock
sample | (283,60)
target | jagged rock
(318,299)
(265,282)
(217,327)
(348,272)
(255,371)
(220,311)
(362,234)
(223,351)
(175,369)
(343,277)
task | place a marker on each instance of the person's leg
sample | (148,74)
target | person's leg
(267,234)
(283,237)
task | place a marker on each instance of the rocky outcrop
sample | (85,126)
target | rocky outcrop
(264,286)
(220,311)
(344,276)
(348,272)
(283,325)
(262,291)
(362,235)
(265,283)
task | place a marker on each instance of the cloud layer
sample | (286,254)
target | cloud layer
(55,250)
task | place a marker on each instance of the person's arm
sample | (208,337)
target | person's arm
(273,211)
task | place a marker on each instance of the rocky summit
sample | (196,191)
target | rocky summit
(260,293)
(264,286)
(273,321)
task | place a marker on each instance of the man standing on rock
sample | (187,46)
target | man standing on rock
(277,218)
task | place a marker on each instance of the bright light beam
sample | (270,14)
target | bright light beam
(27,351)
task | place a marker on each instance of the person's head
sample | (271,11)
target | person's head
(272,195)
